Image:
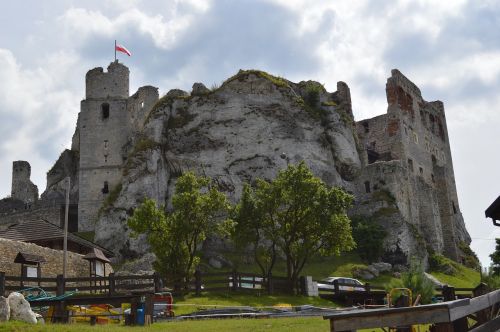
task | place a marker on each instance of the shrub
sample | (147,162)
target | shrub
(440,263)
(416,280)
(369,236)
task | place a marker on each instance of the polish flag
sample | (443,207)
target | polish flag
(122,49)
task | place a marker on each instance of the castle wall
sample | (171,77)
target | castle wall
(139,105)
(22,187)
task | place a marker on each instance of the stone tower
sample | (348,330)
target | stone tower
(22,187)
(412,142)
(103,130)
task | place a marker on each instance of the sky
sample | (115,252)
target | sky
(450,49)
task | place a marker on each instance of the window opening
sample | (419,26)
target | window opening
(410,165)
(105,111)
(367,186)
(105,188)
(366,126)
(421,170)
(454,207)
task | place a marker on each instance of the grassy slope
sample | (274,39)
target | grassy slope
(318,268)
(465,277)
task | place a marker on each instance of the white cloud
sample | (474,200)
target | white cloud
(165,31)
(40,111)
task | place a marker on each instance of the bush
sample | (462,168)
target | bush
(440,263)
(416,280)
(369,236)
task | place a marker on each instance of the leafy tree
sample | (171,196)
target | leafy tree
(299,215)
(369,236)
(250,229)
(175,237)
(495,259)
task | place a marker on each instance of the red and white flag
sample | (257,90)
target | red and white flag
(122,49)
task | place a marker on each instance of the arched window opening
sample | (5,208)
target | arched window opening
(454,207)
(366,126)
(105,111)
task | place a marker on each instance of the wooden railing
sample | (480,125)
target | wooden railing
(110,284)
(457,315)
(235,281)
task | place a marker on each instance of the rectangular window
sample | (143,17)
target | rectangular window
(410,165)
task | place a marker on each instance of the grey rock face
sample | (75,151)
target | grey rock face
(4,309)
(199,89)
(234,135)
(382,267)
(364,273)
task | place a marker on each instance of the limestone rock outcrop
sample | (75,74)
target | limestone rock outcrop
(20,309)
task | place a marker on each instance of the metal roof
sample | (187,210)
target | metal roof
(493,211)
(43,230)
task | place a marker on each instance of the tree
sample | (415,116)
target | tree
(250,230)
(495,259)
(369,237)
(174,237)
(299,215)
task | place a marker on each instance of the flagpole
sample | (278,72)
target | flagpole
(115,50)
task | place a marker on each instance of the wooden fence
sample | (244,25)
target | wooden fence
(110,284)
(236,281)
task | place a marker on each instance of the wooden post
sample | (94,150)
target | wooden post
(2,283)
(112,284)
(483,315)
(157,282)
(133,311)
(235,280)
(336,288)
(302,286)
(148,310)
(197,276)
(448,293)
(60,285)
(270,285)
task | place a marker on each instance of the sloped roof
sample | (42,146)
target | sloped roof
(96,254)
(42,230)
(493,211)
(25,258)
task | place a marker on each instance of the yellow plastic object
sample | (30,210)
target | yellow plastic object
(407,290)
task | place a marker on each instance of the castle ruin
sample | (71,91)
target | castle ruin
(404,153)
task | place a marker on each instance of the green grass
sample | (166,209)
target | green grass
(318,267)
(250,325)
(209,300)
(465,278)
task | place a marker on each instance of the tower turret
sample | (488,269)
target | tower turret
(22,187)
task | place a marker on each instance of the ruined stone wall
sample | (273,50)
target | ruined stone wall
(139,105)
(77,266)
(414,131)
(22,187)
